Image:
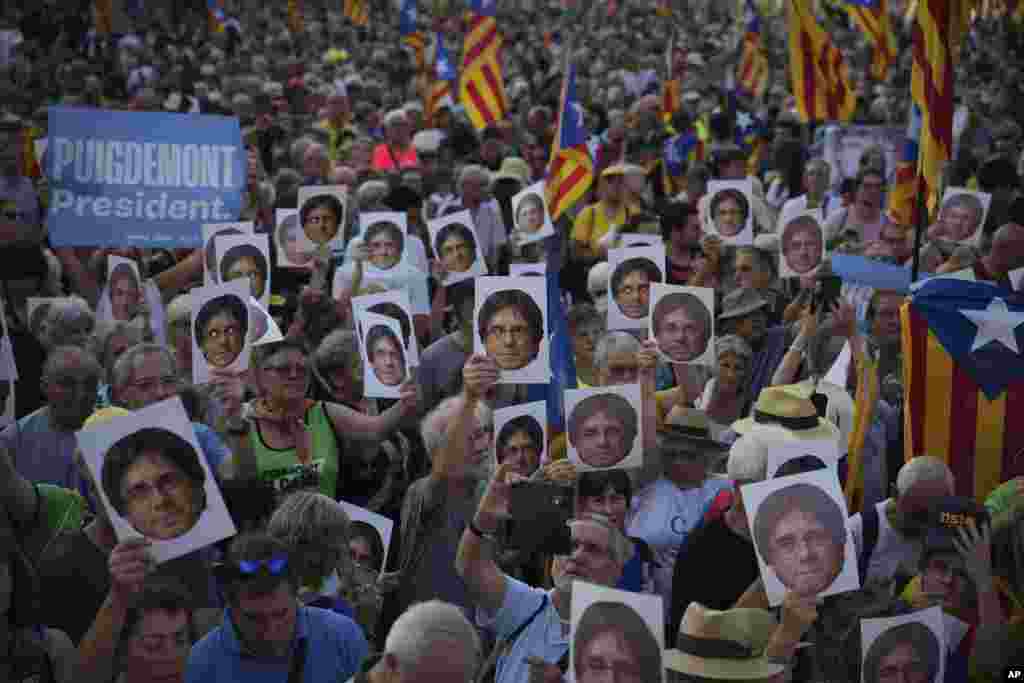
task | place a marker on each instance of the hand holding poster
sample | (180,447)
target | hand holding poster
(132,456)
(144,179)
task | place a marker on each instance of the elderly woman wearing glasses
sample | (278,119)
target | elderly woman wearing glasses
(316,530)
(292,440)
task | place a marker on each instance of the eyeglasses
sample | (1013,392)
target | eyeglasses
(517,332)
(167,484)
(150,383)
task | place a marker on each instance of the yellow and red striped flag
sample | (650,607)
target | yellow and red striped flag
(357,11)
(752,74)
(672,87)
(939,27)
(903,196)
(963,379)
(820,78)
(439,87)
(295,19)
(864,408)
(481,85)
(103,14)
(572,170)
(873,18)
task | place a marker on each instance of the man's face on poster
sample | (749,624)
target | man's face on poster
(161,501)
(609,656)
(681,335)
(510,340)
(803,553)
(124,296)
(387,361)
(802,248)
(633,295)
(961,222)
(602,440)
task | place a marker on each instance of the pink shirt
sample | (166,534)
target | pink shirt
(384,158)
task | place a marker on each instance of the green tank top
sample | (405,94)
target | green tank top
(281,468)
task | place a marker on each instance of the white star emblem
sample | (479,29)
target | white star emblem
(744,120)
(410,12)
(996,323)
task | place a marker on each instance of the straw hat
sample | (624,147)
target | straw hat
(740,302)
(724,645)
(786,411)
(513,168)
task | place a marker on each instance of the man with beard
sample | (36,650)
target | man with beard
(533,624)
(458,436)
(889,536)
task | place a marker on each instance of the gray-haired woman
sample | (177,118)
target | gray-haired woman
(316,530)
(723,397)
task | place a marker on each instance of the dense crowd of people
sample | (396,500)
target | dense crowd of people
(463,590)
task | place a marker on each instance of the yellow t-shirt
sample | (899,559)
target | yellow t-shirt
(592,223)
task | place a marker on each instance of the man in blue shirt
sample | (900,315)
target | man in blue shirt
(266,635)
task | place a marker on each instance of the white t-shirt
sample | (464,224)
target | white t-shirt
(893,552)
(662,514)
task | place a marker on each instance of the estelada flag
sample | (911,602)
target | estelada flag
(963,379)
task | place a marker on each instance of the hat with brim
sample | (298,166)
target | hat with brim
(689,430)
(740,302)
(724,645)
(786,410)
(513,168)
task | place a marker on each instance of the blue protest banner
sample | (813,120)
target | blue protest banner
(143,179)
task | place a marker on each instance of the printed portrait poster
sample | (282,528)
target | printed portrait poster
(127,296)
(611,625)
(604,427)
(633,239)
(323,214)
(731,211)
(802,243)
(246,258)
(456,247)
(790,458)
(634,272)
(293,249)
(141,179)
(8,366)
(682,322)
(532,269)
(385,235)
(394,304)
(221,321)
(153,452)
(369,536)
(510,325)
(522,426)
(6,402)
(264,329)
(915,640)
(385,361)
(210,232)
(962,214)
(1016,278)
(530,213)
(798,525)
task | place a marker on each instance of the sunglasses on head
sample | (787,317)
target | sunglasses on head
(274,566)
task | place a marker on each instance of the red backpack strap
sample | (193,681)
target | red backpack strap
(718,507)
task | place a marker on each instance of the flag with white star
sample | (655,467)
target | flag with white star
(407,18)
(963,374)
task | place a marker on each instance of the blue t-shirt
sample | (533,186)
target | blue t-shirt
(542,638)
(334,645)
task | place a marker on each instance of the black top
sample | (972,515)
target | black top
(715,566)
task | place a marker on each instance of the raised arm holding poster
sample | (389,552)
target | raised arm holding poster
(141,179)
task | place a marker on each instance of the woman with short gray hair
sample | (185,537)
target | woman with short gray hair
(723,397)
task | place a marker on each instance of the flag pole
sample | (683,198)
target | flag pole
(920,215)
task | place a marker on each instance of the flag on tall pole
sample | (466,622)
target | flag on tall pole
(939,27)
(441,84)
(903,196)
(672,86)
(295,20)
(963,380)
(481,86)
(873,18)
(410,33)
(752,74)
(572,170)
(820,77)
(563,364)
(357,11)
(216,15)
